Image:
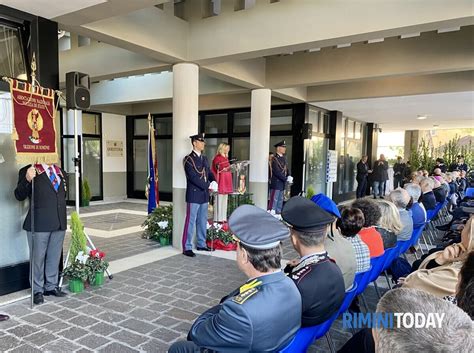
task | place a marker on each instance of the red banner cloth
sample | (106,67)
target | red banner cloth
(35,132)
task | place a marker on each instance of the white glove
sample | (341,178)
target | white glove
(213,186)
(289,179)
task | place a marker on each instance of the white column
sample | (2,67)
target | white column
(259,142)
(185,124)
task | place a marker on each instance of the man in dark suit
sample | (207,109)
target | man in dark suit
(47,237)
(199,179)
(264,314)
(459,165)
(279,176)
(380,176)
(362,173)
(428,198)
(316,275)
(398,173)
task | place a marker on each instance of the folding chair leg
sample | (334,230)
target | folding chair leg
(364,302)
(330,342)
(377,289)
(388,280)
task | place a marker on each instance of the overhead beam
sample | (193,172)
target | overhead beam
(151,87)
(428,54)
(246,73)
(102,61)
(296,25)
(110,8)
(151,32)
(294,95)
(394,86)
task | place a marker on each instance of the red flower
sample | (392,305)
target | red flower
(97,253)
(225,226)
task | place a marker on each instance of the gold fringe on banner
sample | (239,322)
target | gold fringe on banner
(34,158)
(15,136)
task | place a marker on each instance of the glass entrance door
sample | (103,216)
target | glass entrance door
(315,164)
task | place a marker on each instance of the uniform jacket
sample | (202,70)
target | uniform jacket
(279,172)
(362,170)
(50,206)
(321,286)
(262,318)
(380,171)
(198,178)
(455,166)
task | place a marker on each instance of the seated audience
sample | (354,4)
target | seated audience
(264,314)
(389,225)
(452,335)
(462,184)
(401,199)
(317,277)
(350,224)
(439,272)
(418,212)
(464,297)
(368,233)
(338,248)
(439,191)
(428,198)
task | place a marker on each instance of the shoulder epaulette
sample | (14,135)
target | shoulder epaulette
(299,275)
(242,297)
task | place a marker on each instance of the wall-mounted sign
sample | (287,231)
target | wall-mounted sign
(114,148)
(331,167)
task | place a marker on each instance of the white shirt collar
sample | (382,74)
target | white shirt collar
(197,152)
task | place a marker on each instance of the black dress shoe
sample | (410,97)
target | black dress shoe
(4,317)
(189,253)
(56,292)
(205,249)
(38,298)
(444,227)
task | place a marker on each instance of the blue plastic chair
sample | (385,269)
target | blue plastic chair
(307,335)
(469,192)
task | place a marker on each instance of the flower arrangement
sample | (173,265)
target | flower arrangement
(159,224)
(220,237)
(96,263)
(78,269)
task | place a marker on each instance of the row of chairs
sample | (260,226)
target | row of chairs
(307,335)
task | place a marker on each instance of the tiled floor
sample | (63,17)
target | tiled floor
(145,308)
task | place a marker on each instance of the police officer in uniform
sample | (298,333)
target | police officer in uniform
(199,179)
(279,176)
(316,275)
(262,315)
(50,224)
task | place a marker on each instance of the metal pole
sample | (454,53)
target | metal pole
(32,210)
(76,160)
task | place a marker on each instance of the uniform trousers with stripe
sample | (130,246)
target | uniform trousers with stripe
(276,200)
(196,218)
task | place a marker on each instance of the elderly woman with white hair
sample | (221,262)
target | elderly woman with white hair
(418,212)
(427,198)
(401,199)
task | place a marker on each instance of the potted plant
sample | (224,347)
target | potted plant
(86,193)
(76,270)
(159,225)
(97,266)
(219,237)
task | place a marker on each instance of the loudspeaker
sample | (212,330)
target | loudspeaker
(77,91)
(307,131)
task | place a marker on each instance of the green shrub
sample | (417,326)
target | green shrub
(310,192)
(78,238)
(86,190)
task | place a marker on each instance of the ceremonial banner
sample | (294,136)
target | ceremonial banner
(33,119)
(152,181)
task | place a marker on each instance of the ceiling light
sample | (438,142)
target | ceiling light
(435,125)
(410,35)
(422,117)
(446,30)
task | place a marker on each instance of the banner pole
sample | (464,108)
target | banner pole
(32,256)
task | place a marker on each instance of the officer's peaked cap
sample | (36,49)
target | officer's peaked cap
(198,137)
(282,143)
(304,215)
(256,228)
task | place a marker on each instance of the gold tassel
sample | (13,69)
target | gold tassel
(15,136)
(33,158)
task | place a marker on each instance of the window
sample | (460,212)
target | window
(140,127)
(12,60)
(281,120)
(163,126)
(215,124)
(242,122)
(90,123)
